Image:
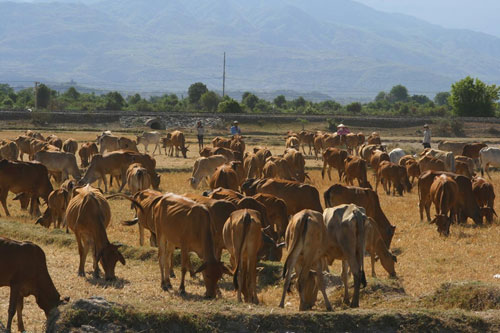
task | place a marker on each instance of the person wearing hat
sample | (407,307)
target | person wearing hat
(342,130)
(235,130)
(426,142)
(200,132)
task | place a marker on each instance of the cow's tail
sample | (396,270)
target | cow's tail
(247,220)
(481,163)
(360,247)
(300,232)
(134,202)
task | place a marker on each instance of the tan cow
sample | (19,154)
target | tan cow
(297,196)
(461,168)
(391,174)
(166,142)
(56,209)
(59,162)
(377,157)
(445,156)
(148,138)
(86,152)
(338,194)
(9,150)
(70,146)
(484,194)
(276,212)
(237,144)
(318,144)
(334,158)
(345,226)
(262,155)
(355,168)
(365,151)
(24,145)
(183,223)
(292,142)
(243,239)
(35,135)
(306,138)
(55,141)
(221,142)
(107,143)
(374,139)
(88,215)
(277,167)
(138,178)
(430,163)
(127,144)
(297,164)
(455,147)
(412,169)
(179,143)
(467,160)
(331,140)
(251,165)
(376,247)
(225,176)
(406,158)
(23,268)
(204,167)
(306,241)
(444,194)
(351,142)
(29,178)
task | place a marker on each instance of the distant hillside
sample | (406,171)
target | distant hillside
(336,47)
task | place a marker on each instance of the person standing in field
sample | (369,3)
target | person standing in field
(200,132)
(235,130)
(427,137)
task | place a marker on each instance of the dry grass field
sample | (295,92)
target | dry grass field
(425,259)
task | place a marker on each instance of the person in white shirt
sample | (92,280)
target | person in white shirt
(427,137)
(200,132)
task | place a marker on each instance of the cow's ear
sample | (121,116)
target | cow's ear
(201,268)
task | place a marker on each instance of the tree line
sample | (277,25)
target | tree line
(467,98)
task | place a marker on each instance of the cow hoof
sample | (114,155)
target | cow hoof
(172,274)
(182,292)
(166,287)
(82,274)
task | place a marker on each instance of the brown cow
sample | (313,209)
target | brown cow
(24,145)
(86,152)
(292,142)
(277,167)
(35,135)
(376,247)
(276,212)
(23,268)
(467,206)
(444,193)
(306,241)
(406,158)
(297,196)
(9,150)
(56,209)
(138,178)
(350,140)
(225,176)
(365,151)
(179,143)
(70,146)
(338,194)
(412,169)
(331,140)
(116,163)
(237,144)
(88,215)
(355,168)
(395,175)
(54,140)
(472,150)
(224,194)
(107,142)
(127,144)
(462,168)
(484,194)
(334,158)
(181,222)
(166,142)
(345,226)
(374,139)
(262,155)
(221,142)
(306,138)
(24,177)
(251,165)
(469,161)
(318,144)
(431,163)
(377,157)
(243,239)
(297,164)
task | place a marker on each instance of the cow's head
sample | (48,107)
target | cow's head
(488,212)
(109,256)
(194,182)
(184,151)
(308,290)
(443,224)
(212,273)
(45,220)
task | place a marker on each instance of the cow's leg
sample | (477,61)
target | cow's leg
(141,234)
(13,299)
(156,147)
(321,285)
(184,264)
(34,209)
(487,167)
(344,275)
(82,251)
(20,305)
(124,180)
(372,260)
(3,199)
(323,170)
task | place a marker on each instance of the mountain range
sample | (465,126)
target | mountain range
(336,47)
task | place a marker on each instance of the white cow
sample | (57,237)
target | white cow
(396,154)
(489,156)
(149,138)
(204,167)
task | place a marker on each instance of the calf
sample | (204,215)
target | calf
(306,241)
(86,152)
(484,194)
(355,168)
(444,193)
(23,268)
(56,209)
(345,226)
(138,178)
(243,238)
(334,158)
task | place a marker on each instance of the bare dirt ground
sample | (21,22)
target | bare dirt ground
(425,260)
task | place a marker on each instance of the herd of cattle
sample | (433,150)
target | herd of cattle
(257,204)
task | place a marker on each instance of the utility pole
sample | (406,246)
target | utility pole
(224,76)
(36,94)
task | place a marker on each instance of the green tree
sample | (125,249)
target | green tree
(299,102)
(442,98)
(399,93)
(134,99)
(209,101)
(280,101)
(72,94)
(43,96)
(250,100)
(381,96)
(229,105)
(5,89)
(195,91)
(473,98)
(354,107)
(114,101)
(420,99)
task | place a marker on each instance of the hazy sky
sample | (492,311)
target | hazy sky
(478,15)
